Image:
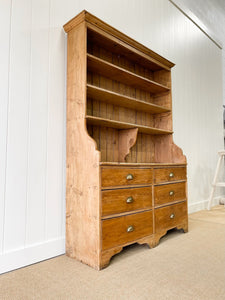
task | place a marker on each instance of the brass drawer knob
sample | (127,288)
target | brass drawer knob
(171,175)
(172,216)
(130,228)
(171,193)
(130,199)
(130,177)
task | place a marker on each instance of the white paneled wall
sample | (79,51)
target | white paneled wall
(33,102)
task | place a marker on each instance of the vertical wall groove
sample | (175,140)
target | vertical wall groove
(7,125)
(47,129)
(28,126)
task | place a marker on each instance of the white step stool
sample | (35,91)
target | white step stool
(215,183)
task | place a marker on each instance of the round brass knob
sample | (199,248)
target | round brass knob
(172,216)
(130,199)
(171,193)
(130,228)
(171,175)
(130,177)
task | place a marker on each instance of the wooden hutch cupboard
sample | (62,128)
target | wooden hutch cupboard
(126,179)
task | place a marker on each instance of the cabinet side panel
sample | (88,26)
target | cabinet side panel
(82,195)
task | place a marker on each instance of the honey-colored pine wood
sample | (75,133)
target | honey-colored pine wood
(122,200)
(169,193)
(116,232)
(82,191)
(127,139)
(170,216)
(100,66)
(123,100)
(126,178)
(170,174)
(122,125)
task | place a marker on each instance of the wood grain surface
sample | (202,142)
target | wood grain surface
(116,201)
(170,216)
(169,193)
(114,231)
(118,176)
(169,174)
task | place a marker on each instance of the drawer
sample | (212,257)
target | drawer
(170,216)
(169,193)
(122,230)
(122,200)
(125,176)
(170,174)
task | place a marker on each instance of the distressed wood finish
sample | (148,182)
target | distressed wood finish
(127,139)
(122,200)
(170,216)
(126,179)
(120,176)
(115,231)
(168,193)
(170,174)
(82,193)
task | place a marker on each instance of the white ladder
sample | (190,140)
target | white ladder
(215,183)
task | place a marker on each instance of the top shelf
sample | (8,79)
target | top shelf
(118,46)
(114,72)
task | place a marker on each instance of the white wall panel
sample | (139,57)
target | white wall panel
(33,57)
(19,101)
(38,120)
(56,114)
(5,29)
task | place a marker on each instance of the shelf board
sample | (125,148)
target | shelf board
(114,72)
(122,100)
(117,46)
(123,125)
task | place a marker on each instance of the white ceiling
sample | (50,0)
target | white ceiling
(211,13)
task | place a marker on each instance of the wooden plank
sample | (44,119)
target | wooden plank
(127,139)
(123,100)
(107,69)
(141,226)
(169,193)
(119,177)
(118,201)
(170,174)
(122,125)
(83,215)
(170,216)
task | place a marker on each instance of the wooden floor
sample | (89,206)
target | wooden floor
(183,266)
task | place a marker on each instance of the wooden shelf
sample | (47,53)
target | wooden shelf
(123,125)
(114,72)
(104,95)
(117,46)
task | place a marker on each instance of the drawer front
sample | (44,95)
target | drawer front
(122,230)
(128,176)
(170,174)
(169,193)
(170,216)
(122,200)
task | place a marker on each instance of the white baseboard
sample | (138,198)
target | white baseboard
(197,206)
(32,254)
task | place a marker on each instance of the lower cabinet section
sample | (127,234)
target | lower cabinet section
(170,216)
(122,230)
(140,206)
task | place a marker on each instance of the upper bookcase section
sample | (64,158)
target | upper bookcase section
(111,38)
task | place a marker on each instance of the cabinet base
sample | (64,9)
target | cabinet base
(152,241)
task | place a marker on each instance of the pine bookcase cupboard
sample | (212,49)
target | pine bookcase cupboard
(126,179)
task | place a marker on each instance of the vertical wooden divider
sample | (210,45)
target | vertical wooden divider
(82,192)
